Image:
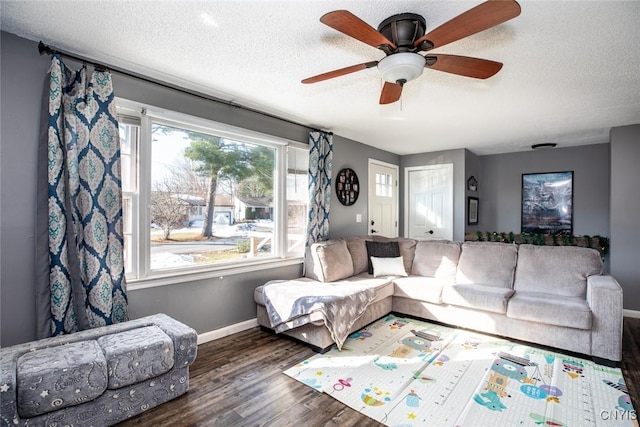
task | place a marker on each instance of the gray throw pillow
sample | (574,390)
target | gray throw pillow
(381,250)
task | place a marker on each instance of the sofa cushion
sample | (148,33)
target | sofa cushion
(572,312)
(419,288)
(407,251)
(556,270)
(58,377)
(382,285)
(388,267)
(487,263)
(358,251)
(436,259)
(330,261)
(381,250)
(136,355)
(407,248)
(479,297)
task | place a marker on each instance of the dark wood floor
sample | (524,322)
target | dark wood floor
(238,381)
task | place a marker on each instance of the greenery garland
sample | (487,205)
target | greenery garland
(599,243)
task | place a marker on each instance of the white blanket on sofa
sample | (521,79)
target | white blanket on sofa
(293,303)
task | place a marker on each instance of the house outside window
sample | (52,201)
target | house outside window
(217,197)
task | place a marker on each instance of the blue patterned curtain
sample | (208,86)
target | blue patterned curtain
(320,164)
(86,258)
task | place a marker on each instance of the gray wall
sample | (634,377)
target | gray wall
(625,205)
(351,154)
(211,304)
(206,305)
(21,86)
(457,157)
(500,182)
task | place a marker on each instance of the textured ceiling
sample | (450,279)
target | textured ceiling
(571,68)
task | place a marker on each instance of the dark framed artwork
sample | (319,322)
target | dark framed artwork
(473,205)
(347,186)
(547,203)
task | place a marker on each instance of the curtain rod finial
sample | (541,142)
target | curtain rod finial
(43,48)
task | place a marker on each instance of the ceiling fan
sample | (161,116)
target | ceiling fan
(401,37)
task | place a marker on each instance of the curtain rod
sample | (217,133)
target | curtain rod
(44,49)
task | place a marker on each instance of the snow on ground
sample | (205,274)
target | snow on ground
(170,260)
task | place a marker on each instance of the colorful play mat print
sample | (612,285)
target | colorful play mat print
(460,378)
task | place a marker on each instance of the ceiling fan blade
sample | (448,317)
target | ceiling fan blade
(349,24)
(390,93)
(463,65)
(482,17)
(341,72)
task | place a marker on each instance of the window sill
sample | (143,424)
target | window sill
(178,277)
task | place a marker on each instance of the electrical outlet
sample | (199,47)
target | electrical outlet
(358,217)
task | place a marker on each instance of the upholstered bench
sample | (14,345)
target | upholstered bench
(96,377)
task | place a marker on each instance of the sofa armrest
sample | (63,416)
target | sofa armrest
(8,389)
(185,338)
(604,296)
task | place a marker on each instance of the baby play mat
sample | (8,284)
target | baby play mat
(406,372)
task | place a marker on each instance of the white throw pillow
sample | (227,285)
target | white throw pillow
(388,266)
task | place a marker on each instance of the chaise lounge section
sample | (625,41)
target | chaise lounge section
(555,296)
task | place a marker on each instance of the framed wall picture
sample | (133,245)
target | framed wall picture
(472,210)
(472,184)
(547,203)
(347,186)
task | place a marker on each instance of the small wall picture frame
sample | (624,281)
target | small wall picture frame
(473,205)
(347,186)
(472,184)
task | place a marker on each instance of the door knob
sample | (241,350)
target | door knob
(372,222)
(373,231)
(430,231)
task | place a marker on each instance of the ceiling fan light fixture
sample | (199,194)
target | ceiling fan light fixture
(543,146)
(401,67)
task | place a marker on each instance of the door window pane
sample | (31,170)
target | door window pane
(384,185)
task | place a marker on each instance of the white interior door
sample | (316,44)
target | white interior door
(383,199)
(429,202)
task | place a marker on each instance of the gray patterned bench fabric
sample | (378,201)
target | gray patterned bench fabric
(96,377)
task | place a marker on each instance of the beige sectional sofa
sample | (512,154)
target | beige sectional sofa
(549,295)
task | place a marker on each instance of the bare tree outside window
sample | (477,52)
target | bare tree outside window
(222,159)
(199,184)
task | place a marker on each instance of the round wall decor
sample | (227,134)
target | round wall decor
(347,186)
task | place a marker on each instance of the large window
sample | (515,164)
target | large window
(201,196)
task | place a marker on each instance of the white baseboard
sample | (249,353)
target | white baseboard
(227,330)
(631,313)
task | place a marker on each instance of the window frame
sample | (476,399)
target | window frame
(141,274)
(132,194)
